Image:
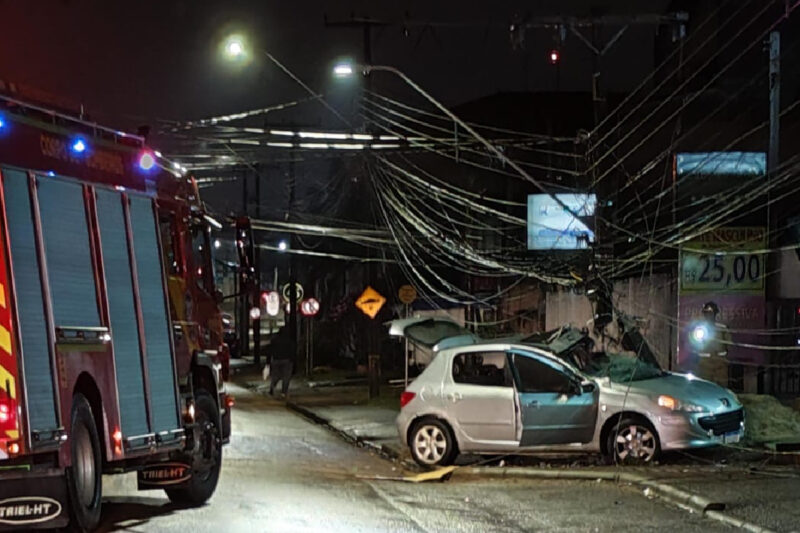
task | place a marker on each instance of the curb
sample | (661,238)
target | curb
(381,449)
(678,497)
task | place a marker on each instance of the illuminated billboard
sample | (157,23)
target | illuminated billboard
(721,163)
(552,227)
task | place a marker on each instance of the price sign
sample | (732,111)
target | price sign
(728,267)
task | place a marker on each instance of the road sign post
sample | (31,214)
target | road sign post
(374,373)
(370,303)
(309,308)
(405,357)
(407,294)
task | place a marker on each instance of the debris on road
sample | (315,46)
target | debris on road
(768,420)
(440,474)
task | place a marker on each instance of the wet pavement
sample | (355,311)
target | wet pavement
(283,472)
(752,487)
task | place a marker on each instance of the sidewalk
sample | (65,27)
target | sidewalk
(342,404)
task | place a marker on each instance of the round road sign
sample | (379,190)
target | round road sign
(309,307)
(407,294)
(298,290)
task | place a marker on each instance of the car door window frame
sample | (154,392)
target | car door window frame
(508,379)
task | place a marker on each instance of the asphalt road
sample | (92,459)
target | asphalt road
(282,473)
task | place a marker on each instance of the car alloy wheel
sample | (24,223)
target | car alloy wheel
(635,442)
(430,444)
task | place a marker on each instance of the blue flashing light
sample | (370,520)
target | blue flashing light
(51,173)
(147,161)
(79,146)
(2,123)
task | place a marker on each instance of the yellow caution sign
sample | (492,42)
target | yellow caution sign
(370,302)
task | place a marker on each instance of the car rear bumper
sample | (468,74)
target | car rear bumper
(403,421)
(33,500)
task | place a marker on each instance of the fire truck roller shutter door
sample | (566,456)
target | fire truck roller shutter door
(163,392)
(69,260)
(29,302)
(119,287)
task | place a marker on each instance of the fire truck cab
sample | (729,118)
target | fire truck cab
(111,348)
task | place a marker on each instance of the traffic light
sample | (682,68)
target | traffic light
(554,56)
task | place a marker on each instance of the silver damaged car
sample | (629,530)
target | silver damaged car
(552,392)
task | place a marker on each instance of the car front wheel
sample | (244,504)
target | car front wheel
(633,441)
(432,443)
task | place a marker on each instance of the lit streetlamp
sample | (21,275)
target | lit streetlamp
(235,48)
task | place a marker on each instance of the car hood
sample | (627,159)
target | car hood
(686,389)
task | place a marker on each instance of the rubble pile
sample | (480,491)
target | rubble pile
(768,420)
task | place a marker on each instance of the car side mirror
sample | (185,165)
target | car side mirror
(574,388)
(588,387)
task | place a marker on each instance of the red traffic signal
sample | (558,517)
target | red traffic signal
(554,56)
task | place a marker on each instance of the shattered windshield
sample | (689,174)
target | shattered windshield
(622,367)
(635,361)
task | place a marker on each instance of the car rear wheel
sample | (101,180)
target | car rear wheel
(432,443)
(633,441)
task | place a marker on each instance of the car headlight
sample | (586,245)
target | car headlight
(674,405)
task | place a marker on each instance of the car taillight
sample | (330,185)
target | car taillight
(406,397)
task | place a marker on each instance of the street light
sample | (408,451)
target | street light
(343,70)
(235,48)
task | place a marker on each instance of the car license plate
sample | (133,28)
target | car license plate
(730,438)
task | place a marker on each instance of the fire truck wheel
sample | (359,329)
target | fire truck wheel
(207,454)
(84,477)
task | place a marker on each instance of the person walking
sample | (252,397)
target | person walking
(281,361)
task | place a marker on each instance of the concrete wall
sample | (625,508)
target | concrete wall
(788,282)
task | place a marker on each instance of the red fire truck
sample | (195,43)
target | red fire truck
(111,349)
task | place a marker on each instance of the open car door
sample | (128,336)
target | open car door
(554,408)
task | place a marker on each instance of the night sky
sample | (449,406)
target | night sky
(135,62)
